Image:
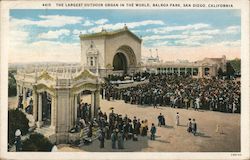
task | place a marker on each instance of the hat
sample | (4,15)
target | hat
(18,132)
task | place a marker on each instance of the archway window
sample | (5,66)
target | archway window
(120,62)
(91,61)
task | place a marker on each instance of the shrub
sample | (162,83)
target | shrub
(37,142)
(16,120)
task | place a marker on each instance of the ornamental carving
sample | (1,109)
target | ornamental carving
(44,87)
(84,75)
(82,87)
(45,75)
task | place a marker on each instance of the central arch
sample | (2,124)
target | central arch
(120,62)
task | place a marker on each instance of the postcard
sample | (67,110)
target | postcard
(125,79)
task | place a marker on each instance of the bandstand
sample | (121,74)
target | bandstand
(55,92)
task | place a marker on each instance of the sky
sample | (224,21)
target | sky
(53,35)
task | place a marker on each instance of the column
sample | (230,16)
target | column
(17,92)
(75,105)
(40,112)
(92,103)
(72,113)
(34,105)
(179,71)
(185,71)
(53,112)
(192,71)
(24,93)
(24,98)
(200,72)
(104,93)
(97,102)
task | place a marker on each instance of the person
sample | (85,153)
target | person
(219,129)
(18,134)
(163,121)
(153,131)
(194,127)
(113,140)
(101,138)
(120,140)
(177,119)
(90,133)
(54,148)
(160,120)
(189,125)
(197,103)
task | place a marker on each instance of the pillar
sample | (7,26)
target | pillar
(24,98)
(97,102)
(40,112)
(92,104)
(179,71)
(17,92)
(104,93)
(192,71)
(34,105)
(185,71)
(75,105)
(53,112)
(200,72)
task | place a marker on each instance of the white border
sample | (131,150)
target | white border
(245,119)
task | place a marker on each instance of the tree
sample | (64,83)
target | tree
(11,84)
(37,142)
(16,120)
(220,72)
(230,70)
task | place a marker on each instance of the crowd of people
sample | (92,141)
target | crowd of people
(118,128)
(180,92)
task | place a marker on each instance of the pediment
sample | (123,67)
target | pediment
(45,76)
(86,74)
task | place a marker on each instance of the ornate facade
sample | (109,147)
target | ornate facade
(118,51)
(64,90)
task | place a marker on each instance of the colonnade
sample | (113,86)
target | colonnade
(37,96)
(193,71)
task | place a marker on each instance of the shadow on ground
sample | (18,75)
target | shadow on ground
(129,146)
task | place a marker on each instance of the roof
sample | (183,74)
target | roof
(110,33)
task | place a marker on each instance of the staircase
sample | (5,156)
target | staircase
(76,136)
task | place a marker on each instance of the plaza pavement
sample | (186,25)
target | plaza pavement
(173,138)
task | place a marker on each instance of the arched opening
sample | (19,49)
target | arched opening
(120,62)
(46,108)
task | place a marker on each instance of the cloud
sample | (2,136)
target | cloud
(159,37)
(77,32)
(45,51)
(88,23)
(203,32)
(230,43)
(168,29)
(130,25)
(232,30)
(18,37)
(48,21)
(180,40)
(54,34)
(101,21)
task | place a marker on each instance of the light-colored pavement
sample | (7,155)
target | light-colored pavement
(174,138)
